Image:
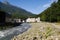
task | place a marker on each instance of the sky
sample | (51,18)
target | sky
(34,6)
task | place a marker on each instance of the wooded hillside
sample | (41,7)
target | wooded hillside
(51,14)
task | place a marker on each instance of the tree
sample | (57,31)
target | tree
(51,14)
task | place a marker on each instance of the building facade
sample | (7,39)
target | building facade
(33,19)
(4,17)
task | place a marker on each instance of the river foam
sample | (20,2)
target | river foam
(8,34)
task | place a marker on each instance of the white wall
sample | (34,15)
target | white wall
(33,19)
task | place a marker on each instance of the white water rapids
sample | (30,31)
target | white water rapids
(10,33)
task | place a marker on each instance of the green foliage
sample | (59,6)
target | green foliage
(51,14)
(48,31)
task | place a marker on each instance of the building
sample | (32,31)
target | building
(4,17)
(33,19)
(17,20)
(38,19)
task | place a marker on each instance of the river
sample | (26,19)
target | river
(10,33)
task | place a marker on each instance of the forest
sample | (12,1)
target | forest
(51,14)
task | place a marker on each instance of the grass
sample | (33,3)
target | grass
(5,27)
(48,32)
(8,26)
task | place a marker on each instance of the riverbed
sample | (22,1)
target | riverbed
(10,33)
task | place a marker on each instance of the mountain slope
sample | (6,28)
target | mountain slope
(51,14)
(15,11)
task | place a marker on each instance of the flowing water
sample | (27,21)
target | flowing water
(10,33)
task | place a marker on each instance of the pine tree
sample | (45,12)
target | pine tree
(59,1)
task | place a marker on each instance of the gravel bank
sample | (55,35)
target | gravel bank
(40,31)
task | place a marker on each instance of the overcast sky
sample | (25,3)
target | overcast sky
(34,6)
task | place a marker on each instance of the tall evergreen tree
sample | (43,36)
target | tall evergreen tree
(59,1)
(51,14)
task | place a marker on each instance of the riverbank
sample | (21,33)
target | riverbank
(10,33)
(8,25)
(40,31)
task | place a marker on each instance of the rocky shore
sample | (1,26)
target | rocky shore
(40,31)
